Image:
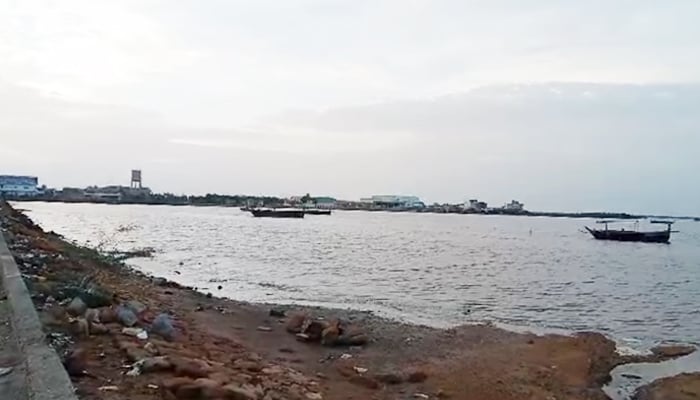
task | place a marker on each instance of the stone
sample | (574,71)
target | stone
(163,326)
(159,281)
(154,364)
(264,329)
(295,322)
(330,335)
(315,330)
(135,306)
(248,365)
(235,392)
(75,363)
(191,368)
(96,328)
(107,315)
(126,317)
(77,307)
(277,313)
(673,351)
(417,376)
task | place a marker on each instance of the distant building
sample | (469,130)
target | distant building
(515,206)
(19,186)
(325,202)
(476,205)
(394,201)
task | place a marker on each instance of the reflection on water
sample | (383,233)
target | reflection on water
(426,268)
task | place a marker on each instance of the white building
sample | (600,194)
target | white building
(514,205)
(16,185)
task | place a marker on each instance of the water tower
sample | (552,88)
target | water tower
(136,179)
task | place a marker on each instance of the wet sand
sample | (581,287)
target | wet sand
(238,350)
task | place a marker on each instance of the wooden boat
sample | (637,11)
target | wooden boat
(317,212)
(623,235)
(277,213)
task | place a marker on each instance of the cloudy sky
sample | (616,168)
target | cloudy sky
(563,105)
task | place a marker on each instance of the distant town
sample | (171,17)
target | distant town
(27,188)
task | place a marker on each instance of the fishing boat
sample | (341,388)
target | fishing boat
(634,235)
(270,213)
(315,211)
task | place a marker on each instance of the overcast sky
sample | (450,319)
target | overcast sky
(564,105)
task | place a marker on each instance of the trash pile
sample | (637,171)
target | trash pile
(329,333)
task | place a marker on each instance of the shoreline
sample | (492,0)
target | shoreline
(398,361)
(452,210)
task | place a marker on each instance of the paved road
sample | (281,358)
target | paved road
(12,385)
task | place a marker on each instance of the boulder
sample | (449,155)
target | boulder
(135,306)
(126,317)
(163,326)
(154,364)
(77,307)
(673,351)
(296,321)
(191,368)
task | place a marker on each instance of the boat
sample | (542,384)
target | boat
(277,213)
(317,212)
(623,235)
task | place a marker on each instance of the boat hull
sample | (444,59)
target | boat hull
(277,213)
(317,212)
(631,236)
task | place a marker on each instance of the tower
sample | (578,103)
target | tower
(136,179)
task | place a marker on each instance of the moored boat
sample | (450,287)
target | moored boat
(317,212)
(277,213)
(622,235)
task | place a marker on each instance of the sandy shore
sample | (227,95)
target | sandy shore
(223,349)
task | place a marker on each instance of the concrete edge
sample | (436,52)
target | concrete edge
(46,377)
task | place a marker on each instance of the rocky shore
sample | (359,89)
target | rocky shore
(124,335)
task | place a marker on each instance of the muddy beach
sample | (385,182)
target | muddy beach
(125,335)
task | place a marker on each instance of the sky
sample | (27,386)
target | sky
(563,105)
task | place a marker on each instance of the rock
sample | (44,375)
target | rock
(248,365)
(235,392)
(417,376)
(390,378)
(673,351)
(163,326)
(154,364)
(159,281)
(314,330)
(77,307)
(191,368)
(107,315)
(80,327)
(277,313)
(75,363)
(92,315)
(133,332)
(151,348)
(264,329)
(126,317)
(96,328)
(135,306)
(356,340)
(314,396)
(93,295)
(295,322)
(330,335)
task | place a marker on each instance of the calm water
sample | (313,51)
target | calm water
(435,269)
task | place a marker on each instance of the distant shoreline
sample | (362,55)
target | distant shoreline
(426,210)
